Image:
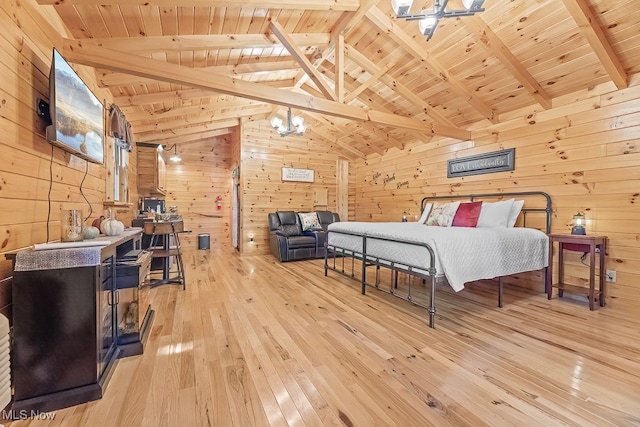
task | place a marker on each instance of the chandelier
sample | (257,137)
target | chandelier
(293,126)
(429,18)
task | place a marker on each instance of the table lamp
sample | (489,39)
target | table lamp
(578,224)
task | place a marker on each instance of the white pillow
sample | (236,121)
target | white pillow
(442,214)
(425,213)
(515,211)
(495,214)
(309,221)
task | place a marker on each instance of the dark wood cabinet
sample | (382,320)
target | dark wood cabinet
(65,331)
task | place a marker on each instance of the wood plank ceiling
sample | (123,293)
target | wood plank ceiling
(367,81)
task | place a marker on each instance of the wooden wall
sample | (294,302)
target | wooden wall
(33,171)
(585,152)
(193,185)
(263,155)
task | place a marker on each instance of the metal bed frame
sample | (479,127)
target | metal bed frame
(417,271)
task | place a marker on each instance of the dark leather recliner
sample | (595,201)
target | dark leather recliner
(289,243)
(286,239)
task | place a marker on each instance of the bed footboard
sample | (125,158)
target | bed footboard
(333,251)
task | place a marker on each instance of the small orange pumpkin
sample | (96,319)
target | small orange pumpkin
(96,222)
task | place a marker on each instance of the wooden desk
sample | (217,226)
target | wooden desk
(588,243)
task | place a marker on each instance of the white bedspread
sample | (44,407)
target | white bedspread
(463,254)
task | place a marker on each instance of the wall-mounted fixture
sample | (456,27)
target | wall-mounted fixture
(578,224)
(293,126)
(429,18)
(250,238)
(174,157)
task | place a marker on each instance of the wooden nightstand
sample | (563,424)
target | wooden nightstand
(588,243)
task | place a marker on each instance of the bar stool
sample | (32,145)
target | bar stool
(165,243)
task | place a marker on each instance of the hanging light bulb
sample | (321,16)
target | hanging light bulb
(428,19)
(294,125)
(401,7)
(174,157)
(427,25)
(276,122)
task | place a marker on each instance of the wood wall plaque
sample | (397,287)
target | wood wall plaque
(496,161)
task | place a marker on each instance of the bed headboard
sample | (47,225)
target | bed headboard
(535,202)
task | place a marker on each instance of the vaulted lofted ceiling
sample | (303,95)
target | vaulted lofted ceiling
(364,80)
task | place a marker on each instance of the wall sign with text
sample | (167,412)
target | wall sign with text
(300,175)
(496,161)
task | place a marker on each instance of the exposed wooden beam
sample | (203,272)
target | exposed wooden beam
(344,5)
(371,103)
(419,52)
(191,138)
(362,61)
(327,133)
(590,27)
(124,79)
(304,62)
(339,79)
(209,118)
(508,59)
(349,20)
(181,43)
(150,136)
(204,109)
(99,57)
(374,78)
(163,97)
(344,148)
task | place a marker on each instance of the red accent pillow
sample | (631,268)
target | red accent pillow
(467,215)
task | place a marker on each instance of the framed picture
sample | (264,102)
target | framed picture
(496,161)
(299,175)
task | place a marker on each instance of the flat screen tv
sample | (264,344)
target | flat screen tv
(77,116)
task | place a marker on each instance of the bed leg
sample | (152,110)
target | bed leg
(546,280)
(364,264)
(432,303)
(500,289)
(326,261)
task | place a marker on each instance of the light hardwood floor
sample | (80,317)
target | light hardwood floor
(252,342)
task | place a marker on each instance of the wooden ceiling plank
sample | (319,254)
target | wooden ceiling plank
(98,57)
(211,118)
(362,61)
(349,20)
(328,131)
(372,104)
(395,120)
(590,27)
(420,53)
(304,62)
(203,42)
(337,5)
(346,150)
(374,78)
(508,59)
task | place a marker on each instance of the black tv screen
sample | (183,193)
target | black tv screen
(77,115)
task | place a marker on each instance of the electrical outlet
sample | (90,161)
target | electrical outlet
(611,276)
